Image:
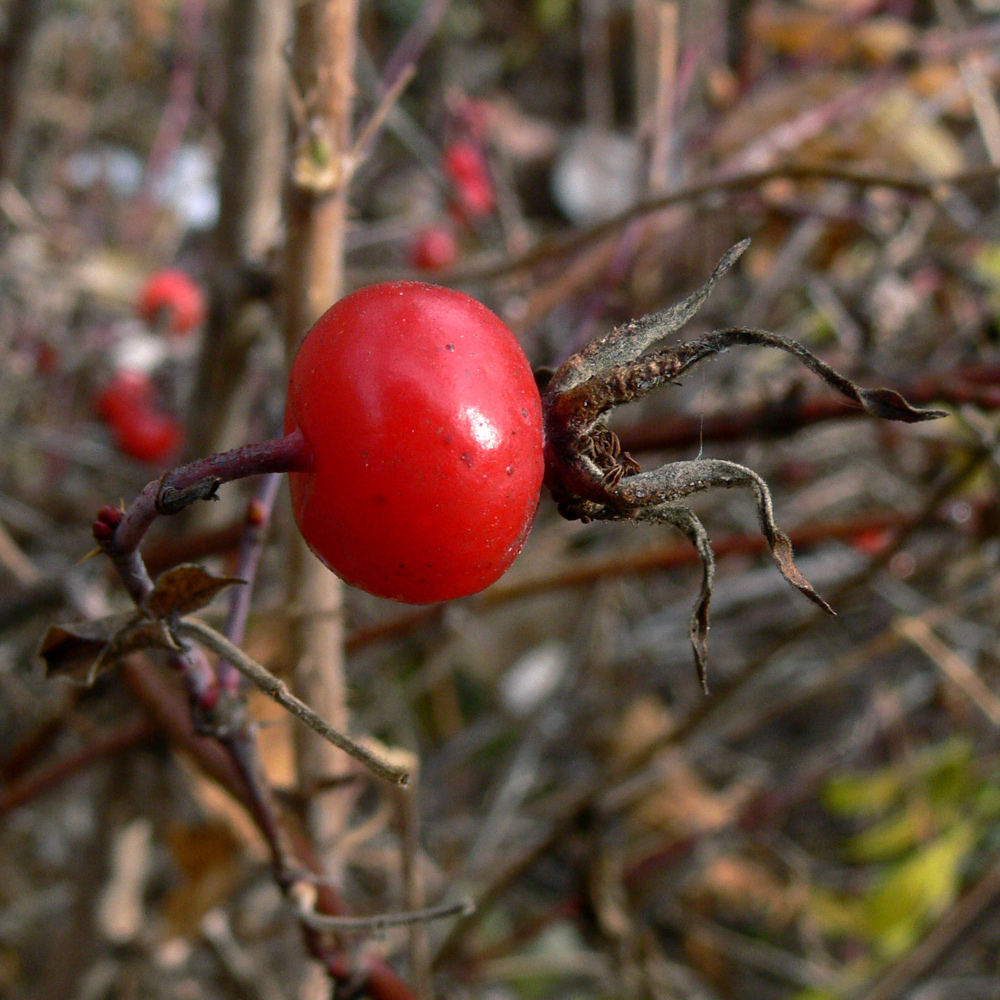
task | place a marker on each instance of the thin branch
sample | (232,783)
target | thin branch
(919,187)
(257,520)
(278,690)
(165,704)
(382,921)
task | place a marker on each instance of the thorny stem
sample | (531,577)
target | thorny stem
(278,690)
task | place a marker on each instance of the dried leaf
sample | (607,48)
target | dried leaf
(208,856)
(73,650)
(85,650)
(682,804)
(184,590)
(139,633)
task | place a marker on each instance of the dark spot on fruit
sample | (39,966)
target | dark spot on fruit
(449,347)
(510,470)
(466,458)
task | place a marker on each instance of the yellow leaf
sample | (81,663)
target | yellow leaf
(916,891)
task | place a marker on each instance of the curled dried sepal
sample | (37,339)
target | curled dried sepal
(591,478)
(677,480)
(685,520)
(884,403)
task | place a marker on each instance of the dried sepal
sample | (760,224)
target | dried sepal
(677,480)
(686,520)
(626,342)
(591,478)
(884,403)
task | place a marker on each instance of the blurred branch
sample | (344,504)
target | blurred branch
(547,250)
(251,175)
(23,17)
(973,386)
(51,774)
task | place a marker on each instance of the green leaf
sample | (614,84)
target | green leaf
(892,837)
(854,795)
(917,890)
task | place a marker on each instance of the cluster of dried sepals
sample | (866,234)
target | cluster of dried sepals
(592,479)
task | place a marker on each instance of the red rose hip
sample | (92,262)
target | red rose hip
(424,423)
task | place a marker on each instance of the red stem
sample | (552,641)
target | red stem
(290,453)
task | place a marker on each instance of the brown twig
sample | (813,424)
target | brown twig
(167,706)
(323,82)
(550,249)
(45,777)
(278,690)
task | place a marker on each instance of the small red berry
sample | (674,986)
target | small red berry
(124,392)
(46,358)
(463,159)
(425,427)
(434,248)
(872,541)
(147,435)
(175,293)
(469,173)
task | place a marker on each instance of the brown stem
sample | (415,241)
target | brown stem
(323,88)
(165,704)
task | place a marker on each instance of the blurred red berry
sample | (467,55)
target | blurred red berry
(46,358)
(433,249)
(463,159)
(469,173)
(872,541)
(124,393)
(148,435)
(174,293)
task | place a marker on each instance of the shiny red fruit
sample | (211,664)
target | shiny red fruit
(175,293)
(425,427)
